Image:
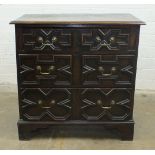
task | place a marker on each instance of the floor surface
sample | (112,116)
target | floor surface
(77,137)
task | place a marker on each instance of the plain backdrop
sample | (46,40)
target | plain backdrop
(146,61)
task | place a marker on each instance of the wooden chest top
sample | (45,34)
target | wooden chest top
(123,19)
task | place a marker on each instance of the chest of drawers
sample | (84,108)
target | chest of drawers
(76,69)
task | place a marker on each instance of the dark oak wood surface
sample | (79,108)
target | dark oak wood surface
(78,19)
(76,73)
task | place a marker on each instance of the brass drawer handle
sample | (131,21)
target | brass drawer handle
(112,39)
(105,107)
(52,102)
(98,39)
(113,102)
(100,103)
(54,39)
(101,69)
(40,39)
(40,102)
(50,70)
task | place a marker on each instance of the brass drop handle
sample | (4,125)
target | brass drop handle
(50,70)
(98,39)
(52,102)
(112,39)
(101,69)
(100,103)
(113,102)
(40,39)
(54,39)
(40,102)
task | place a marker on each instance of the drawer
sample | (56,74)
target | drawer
(46,40)
(87,104)
(108,70)
(109,40)
(45,70)
(44,104)
(106,104)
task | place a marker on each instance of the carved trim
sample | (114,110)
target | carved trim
(103,39)
(88,103)
(46,35)
(27,104)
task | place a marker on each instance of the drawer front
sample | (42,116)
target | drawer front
(108,70)
(45,70)
(43,104)
(106,104)
(46,40)
(110,40)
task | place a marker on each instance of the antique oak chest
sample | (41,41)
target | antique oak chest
(76,69)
